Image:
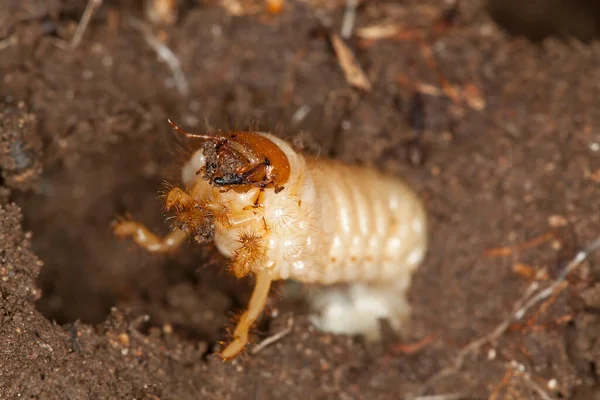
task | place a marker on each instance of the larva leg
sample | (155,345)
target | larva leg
(177,198)
(255,308)
(148,240)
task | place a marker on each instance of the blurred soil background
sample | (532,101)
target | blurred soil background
(490,110)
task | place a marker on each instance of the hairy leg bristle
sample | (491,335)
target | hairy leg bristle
(249,255)
(189,216)
(220,212)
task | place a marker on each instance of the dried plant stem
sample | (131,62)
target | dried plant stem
(530,298)
(89,11)
(164,53)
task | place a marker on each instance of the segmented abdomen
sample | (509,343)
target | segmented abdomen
(373,226)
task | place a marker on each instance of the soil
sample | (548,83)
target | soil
(84,138)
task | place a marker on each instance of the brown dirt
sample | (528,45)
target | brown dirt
(83,138)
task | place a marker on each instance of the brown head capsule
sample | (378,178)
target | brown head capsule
(278,214)
(241,160)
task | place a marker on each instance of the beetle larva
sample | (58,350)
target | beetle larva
(282,215)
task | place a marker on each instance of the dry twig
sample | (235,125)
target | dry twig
(164,53)
(349,19)
(89,11)
(378,32)
(450,396)
(275,338)
(412,348)
(470,94)
(355,76)
(7,42)
(534,385)
(529,299)
(503,383)
(579,258)
(518,248)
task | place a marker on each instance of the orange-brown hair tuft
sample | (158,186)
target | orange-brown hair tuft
(250,254)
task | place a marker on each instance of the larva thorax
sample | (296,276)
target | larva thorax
(259,226)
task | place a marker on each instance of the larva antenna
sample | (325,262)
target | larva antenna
(178,129)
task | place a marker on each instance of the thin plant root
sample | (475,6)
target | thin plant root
(518,248)
(164,53)
(502,385)
(354,73)
(532,296)
(84,22)
(412,348)
(255,308)
(90,9)
(275,338)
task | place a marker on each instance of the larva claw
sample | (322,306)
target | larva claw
(234,348)
(177,198)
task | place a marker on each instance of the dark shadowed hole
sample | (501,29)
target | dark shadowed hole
(539,19)
(86,269)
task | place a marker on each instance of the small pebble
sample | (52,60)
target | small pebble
(557,221)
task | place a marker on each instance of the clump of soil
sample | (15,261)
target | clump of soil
(84,138)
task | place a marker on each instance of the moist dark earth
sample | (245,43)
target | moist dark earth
(510,179)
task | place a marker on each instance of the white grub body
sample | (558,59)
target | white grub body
(331,224)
